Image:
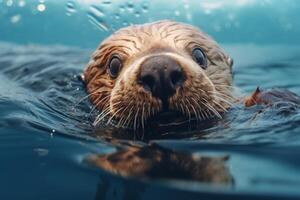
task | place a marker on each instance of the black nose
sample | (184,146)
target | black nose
(161,75)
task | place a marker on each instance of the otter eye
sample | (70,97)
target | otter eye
(199,57)
(115,66)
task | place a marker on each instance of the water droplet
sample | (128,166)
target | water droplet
(70,6)
(9,3)
(130,7)
(145,7)
(52,132)
(77,89)
(41,7)
(137,14)
(22,3)
(122,8)
(15,19)
(117,16)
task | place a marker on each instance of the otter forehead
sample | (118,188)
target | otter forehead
(162,36)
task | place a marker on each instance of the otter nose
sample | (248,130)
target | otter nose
(161,75)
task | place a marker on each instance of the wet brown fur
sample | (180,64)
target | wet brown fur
(205,93)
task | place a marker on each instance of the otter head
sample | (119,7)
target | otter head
(143,71)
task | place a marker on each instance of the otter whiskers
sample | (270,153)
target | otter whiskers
(99,101)
(87,96)
(130,115)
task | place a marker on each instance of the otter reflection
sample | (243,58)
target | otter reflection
(153,161)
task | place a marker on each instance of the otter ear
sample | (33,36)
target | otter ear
(230,61)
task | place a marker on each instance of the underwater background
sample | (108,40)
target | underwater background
(46,128)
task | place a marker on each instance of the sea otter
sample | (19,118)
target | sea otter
(168,72)
(156,71)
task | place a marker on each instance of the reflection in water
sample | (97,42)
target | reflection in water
(155,162)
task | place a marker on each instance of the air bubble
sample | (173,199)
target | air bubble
(130,7)
(137,14)
(122,8)
(15,19)
(117,16)
(145,7)
(41,7)
(9,3)
(52,132)
(22,3)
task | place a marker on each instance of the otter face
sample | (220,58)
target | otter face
(143,71)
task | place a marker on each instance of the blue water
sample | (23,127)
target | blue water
(45,124)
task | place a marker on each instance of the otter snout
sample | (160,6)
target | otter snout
(161,75)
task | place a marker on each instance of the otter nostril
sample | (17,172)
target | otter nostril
(148,82)
(176,78)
